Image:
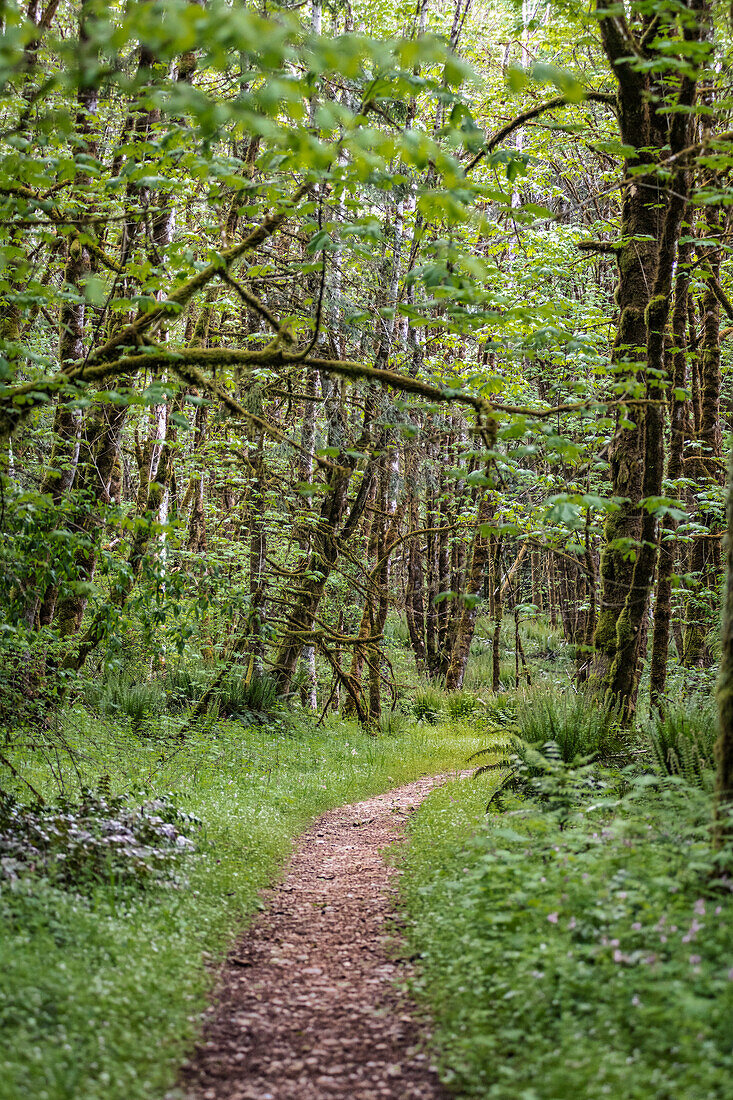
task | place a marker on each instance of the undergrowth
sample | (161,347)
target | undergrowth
(572,720)
(104,972)
(81,843)
(578,944)
(682,741)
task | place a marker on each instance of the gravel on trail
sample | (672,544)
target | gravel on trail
(306,1006)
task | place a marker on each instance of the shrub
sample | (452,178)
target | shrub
(392,723)
(540,635)
(99,838)
(141,702)
(478,672)
(396,632)
(501,709)
(184,685)
(586,958)
(480,646)
(682,742)
(540,774)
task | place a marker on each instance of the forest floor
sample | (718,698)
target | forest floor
(308,1004)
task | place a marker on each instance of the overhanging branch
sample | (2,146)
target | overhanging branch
(534,112)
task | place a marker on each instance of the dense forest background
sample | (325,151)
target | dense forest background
(361,364)
(301,326)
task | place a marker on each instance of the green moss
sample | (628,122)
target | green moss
(629,327)
(656,311)
(625,632)
(605,635)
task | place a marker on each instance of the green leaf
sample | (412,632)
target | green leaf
(94,290)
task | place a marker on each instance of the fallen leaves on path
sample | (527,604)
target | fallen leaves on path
(307,1006)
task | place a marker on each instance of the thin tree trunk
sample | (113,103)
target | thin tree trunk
(148,514)
(667,546)
(309,691)
(464,625)
(498,613)
(414,597)
(706,469)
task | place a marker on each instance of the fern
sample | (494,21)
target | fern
(682,743)
(117,696)
(427,705)
(578,724)
(184,684)
(501,753)
(238,697)
(461,704)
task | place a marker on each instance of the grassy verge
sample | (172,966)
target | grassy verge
(100,994)
(573,955)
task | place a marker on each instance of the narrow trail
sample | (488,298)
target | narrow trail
(306,1006)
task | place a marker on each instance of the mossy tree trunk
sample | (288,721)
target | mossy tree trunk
(414,588)
(61,470)
(377,595)
(337,522)
(724,746)
(651,220)
(257,559)
(147,518)
(498,613)
(99,447)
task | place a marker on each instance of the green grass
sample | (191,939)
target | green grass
(589,961)
(100,995)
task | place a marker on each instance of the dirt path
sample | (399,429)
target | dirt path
(306,1007)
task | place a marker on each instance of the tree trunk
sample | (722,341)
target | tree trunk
(148,514)
(330,532)
(309,691)
(650,228)
(724,746)
(623,680)
(464,624)
(99,447)
(414,598)
(706,469)
(667,546)
(498,613)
